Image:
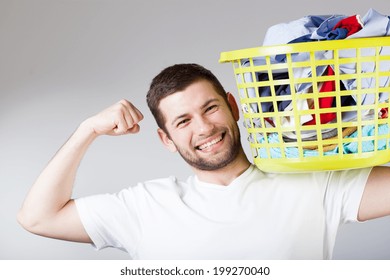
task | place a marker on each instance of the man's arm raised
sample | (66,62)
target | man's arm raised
(49,209)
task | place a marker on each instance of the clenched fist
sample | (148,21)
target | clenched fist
(118,119)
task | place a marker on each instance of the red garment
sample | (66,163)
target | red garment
(383,113)
(325,102)
(353,24)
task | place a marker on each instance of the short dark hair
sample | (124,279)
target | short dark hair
(177,78)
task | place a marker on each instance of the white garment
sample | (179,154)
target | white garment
(258,216)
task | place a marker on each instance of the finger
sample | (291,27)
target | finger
(121,125)
(131,114)
(137,115)
(134,129)
(120,129)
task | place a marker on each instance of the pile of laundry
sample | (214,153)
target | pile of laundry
(319,28)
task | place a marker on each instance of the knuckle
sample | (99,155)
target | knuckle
(124,103)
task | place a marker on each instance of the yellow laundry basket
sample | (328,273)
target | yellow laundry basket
(282,93)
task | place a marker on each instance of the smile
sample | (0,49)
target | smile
(211,143)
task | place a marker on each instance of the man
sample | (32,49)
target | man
(228,210)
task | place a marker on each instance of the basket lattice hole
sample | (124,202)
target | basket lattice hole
(248,123)
(368,82)
(370,98)
(347,100)
(384,66)
(266,106)
(301,72)
(368,67)
(254,152)
(366,52)
(287,121)
(301,56)
(248,92)
(252,138)
(324,55)
(346,70)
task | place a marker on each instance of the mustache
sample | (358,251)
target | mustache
(212,133)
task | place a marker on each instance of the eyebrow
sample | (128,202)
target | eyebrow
(201,107)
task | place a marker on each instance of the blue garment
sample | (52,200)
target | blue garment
(318,27)
(375,24)
(323,32)
(326,27)
(348,148)
(313,28)
(279,91)
(283,33)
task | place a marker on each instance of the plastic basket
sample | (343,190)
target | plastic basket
(280,139)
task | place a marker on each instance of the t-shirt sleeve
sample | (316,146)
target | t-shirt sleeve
(111,220)
(344,193)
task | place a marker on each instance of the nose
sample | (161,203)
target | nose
(203,126)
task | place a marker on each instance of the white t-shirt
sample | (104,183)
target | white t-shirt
(258,216)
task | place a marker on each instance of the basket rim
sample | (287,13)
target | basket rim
(261,51)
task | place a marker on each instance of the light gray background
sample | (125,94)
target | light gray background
(63,61)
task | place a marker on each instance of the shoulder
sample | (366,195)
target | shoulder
(286,184)
(349,177)
(292,178)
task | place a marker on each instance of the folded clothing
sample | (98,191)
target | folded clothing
(347,148)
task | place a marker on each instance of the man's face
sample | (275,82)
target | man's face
(201,127)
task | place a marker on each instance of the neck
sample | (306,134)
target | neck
(224,176)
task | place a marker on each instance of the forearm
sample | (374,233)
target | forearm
(53,188)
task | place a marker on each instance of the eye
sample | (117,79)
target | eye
(182,122)
(211,108)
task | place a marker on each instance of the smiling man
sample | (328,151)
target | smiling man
(228,209)
(203,129)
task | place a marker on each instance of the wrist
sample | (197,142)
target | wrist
(85,129)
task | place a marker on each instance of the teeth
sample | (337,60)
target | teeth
(209,144)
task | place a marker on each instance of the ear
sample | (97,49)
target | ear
(168,143)
(233,105)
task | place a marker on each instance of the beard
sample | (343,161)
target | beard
(216,161)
